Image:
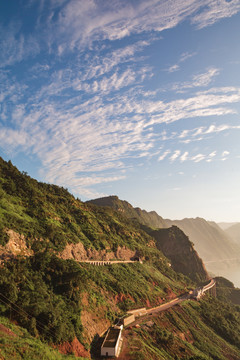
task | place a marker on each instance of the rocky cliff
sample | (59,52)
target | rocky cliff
(213,245)
(176,246)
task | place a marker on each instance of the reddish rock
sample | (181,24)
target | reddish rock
(74,347)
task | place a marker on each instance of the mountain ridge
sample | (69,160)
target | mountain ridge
(211,243)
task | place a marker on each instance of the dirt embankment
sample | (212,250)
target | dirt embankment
(73,347)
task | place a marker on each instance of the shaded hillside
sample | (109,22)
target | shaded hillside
(173,243)
(151,218)
(226,291)
(176,246)
(218,252)
(233,232)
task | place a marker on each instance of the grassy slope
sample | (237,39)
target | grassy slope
(147,218)
(19,344)
(227,292)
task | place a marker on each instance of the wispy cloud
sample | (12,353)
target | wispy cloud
(175,155)
(200,80)
(173,68)
(196,158)
(187,55)
(225,155)
(184,56)
(162,157)
(74,115)
(184,156)
(14,46)
(83,21)
(215,10)
(74,140)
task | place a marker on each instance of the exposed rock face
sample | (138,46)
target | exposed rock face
(16,245)
(73,347)
(211,242)
(176,246)
(79,253)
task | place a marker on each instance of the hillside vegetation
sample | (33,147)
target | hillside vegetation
(192,331)
(16,343)
(219,249)
(57,299)
(174,244)
(151,218)
(44,289)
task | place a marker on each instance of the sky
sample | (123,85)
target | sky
(134,98)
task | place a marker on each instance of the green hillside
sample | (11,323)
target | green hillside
(16,343)
(47,289)
(174,244)
(144,217)
(203,330)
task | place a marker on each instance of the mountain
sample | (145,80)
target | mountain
(233,232)
(213,245)
(172,242)
(58,299)
(176,246)
(217,250)
(151,218)
(226,225)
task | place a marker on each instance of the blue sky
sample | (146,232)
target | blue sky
(135,98)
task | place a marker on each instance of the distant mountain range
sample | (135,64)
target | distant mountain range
(216,248)
(233,232)
(225,225)
(219,249)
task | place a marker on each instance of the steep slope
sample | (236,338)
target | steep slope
(43,231)
(218,252)
(173,243)
(146,218)
(17,343)
(47,288)
(226,291)
(177,247)
(233,232)
(193,331)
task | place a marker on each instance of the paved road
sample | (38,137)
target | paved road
(179,299)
